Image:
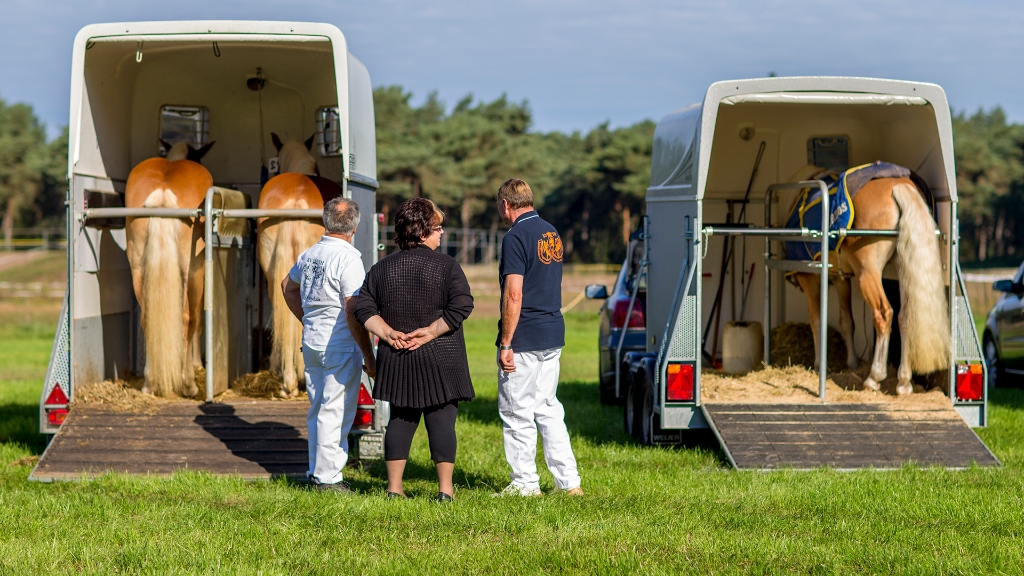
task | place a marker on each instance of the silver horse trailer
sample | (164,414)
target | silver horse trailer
(135,84)
(703,176)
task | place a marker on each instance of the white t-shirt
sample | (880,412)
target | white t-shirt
(330,271)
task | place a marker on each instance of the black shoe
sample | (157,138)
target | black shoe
(442,497)
(341,487)
(390,495)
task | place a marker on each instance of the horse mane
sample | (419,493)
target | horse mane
(178,152)
(294,157)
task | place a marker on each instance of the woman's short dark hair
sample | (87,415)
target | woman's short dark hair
(414,220)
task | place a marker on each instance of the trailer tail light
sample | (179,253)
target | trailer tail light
(679,382)
(969,381)
(636,317)
(56,416)
(364,409)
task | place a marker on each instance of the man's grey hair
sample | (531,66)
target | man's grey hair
(341,216)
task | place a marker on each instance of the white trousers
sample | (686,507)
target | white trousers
(332,383)
(527,403)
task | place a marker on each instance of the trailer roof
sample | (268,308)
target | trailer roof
(683,140)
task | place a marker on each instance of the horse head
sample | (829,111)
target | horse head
(295,156)
(185,151)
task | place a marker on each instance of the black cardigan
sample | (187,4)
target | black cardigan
(411,289)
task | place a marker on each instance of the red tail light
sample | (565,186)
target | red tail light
(56,416)
(364,419)
(636,317)
(969,381)
(680,383)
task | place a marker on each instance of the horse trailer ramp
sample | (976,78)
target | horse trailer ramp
(253,439)
(844,436)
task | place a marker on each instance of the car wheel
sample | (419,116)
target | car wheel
(992,364)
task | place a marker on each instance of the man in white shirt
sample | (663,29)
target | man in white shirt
(320,290)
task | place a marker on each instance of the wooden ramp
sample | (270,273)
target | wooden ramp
(250,438)
(844,436)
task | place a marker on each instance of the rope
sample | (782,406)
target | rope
(577,300)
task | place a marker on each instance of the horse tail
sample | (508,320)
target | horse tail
(163,291)
(286,331)
(924,319)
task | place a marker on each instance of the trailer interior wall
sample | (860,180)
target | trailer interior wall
(902,134)
(125,83)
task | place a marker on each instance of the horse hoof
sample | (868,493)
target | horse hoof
(870,384)
(146,390)
(282,393)
(904,389)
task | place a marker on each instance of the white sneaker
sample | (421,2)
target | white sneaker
(514,490)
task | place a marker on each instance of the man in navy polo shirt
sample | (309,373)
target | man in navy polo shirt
(531,334)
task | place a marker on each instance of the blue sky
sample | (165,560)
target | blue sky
(580,63)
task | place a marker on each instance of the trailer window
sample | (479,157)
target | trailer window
(189,124)
(831,152)
(328,131)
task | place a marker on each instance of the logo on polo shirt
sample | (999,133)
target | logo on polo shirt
(549,248)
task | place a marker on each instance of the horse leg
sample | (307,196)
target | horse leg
(136,231)
(870,284)
(903,373)
(846,319)
(811,285)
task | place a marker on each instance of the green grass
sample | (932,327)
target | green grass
(646,510)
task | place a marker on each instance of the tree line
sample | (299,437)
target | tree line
(590,186)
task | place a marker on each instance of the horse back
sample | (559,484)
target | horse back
(292,190)
(187,180)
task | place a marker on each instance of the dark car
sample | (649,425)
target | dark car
(1003,341)
(614,326)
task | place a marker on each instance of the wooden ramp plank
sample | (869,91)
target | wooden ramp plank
(844,436)
(251,439)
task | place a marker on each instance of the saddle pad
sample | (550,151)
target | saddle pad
(807,212)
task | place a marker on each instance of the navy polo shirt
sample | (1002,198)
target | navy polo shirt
(533,249)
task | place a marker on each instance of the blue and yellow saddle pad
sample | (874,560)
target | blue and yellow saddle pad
(841,190)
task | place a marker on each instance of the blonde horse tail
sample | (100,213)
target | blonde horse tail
(163,290)
(925,322)
(286,331)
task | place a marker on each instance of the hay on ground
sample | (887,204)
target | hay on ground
(120,395)
(798,385)
(262,384)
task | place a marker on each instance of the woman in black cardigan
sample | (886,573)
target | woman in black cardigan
(415,301)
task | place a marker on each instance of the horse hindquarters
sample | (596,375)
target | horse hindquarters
(924,320)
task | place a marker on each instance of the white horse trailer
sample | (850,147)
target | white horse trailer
(134,84)
(701,172)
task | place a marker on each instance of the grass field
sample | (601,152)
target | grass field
(646,510)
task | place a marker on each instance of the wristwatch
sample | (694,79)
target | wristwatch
(504,347)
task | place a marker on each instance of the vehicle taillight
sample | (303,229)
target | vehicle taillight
(636,317)
(364,409)
(969,381)
(680,382)
(364,419)
(56,416)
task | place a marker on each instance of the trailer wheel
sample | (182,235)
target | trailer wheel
(644,417)
(628,413)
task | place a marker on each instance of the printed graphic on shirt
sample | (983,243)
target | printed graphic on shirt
(549,248)
(313,272)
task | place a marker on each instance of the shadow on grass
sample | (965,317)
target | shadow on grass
(1008,396)
(19,424)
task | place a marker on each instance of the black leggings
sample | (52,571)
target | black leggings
(440,423)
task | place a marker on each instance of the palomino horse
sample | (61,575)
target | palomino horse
(279,243)
(890,204)
(166,259)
